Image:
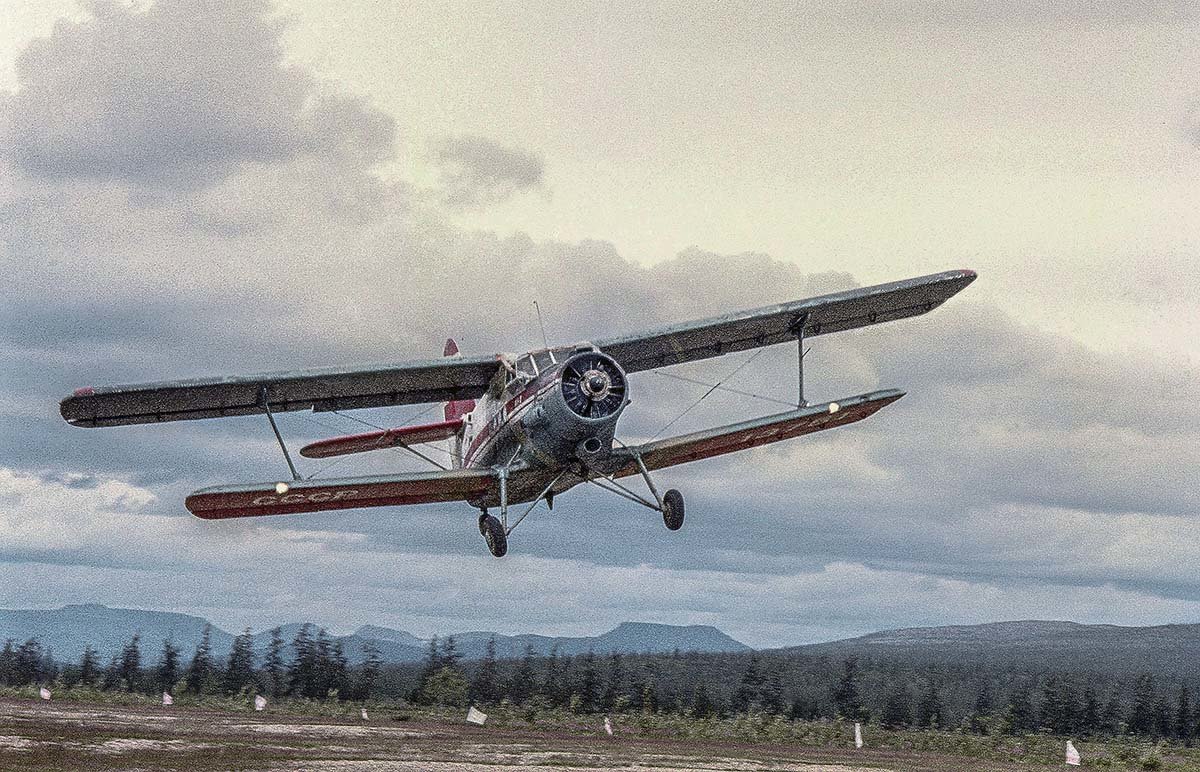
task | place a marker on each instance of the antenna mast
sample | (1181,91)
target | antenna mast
(538,308)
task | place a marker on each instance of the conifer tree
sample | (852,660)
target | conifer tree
(551,685)
(273,670)
(930,713)
(1110,718)
(131,662)
(1089,716)
(1142,718)
(239,671)
(485,686)
(1184,720)
(897,710)
(201,668)
(369,674)
(302,674)
(749,692)
(168,666)
(27,663)
(702,705)
(589,685)
(615,686)
(1059,707)
(112,674)
(339,670)
(323,669)
(89,667)
(522,685)
(1018,717)
(772,693)
(8,663)
(846,695)
(433,663)
(450,653)
(982,710)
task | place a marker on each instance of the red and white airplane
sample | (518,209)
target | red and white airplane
(523,428)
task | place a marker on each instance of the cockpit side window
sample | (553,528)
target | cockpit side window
(543,361)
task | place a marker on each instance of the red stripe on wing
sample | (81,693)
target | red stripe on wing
(346,493)
(386,438)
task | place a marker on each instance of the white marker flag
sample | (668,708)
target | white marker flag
(607,725)
(260,702)
(364,714)
(168,699)
(44,692)
(857,735)
(1072,754)
(475,717)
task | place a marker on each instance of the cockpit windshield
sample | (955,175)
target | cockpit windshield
(525,365)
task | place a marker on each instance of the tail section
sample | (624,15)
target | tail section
(456,410)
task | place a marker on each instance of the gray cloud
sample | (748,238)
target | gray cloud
(177,95)
(477,171)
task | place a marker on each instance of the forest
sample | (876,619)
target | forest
(1005,698)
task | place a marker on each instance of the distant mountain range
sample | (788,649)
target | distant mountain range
(66,631)
(1173,649)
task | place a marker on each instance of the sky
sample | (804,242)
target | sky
(193,188)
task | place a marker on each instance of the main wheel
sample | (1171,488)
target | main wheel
(673,509)
(493,534)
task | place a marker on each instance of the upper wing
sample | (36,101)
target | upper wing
(752,433)
(738,331)
(434,380)
(317,495)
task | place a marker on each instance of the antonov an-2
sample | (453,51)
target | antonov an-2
(523,429)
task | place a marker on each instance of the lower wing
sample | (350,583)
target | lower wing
(347,493)
(750,434)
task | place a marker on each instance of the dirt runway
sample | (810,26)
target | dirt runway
(36,735)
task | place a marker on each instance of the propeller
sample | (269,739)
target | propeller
(593,386)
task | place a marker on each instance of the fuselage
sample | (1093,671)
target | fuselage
(546,411)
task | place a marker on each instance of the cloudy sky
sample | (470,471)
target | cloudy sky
(195,188)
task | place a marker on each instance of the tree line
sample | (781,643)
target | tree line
(976,698)
(983,700)
(312,666)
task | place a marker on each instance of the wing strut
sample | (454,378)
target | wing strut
(266,405)
(798,329)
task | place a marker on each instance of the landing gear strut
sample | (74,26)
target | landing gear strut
(670,504)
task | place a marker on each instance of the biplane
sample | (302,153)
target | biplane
(521,429)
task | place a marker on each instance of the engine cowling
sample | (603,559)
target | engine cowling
(578,418)
(593,385)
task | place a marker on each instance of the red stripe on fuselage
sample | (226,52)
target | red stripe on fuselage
(510,410)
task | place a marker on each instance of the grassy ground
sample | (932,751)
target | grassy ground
(133,732)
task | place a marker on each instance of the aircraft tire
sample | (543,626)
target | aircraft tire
(673,509)
(493,534)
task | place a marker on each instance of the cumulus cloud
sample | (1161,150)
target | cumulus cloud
(109,538)
(477,171)
(178,94)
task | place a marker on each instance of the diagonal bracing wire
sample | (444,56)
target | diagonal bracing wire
(719,387)
(711,389)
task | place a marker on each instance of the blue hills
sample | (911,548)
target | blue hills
(67,630)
